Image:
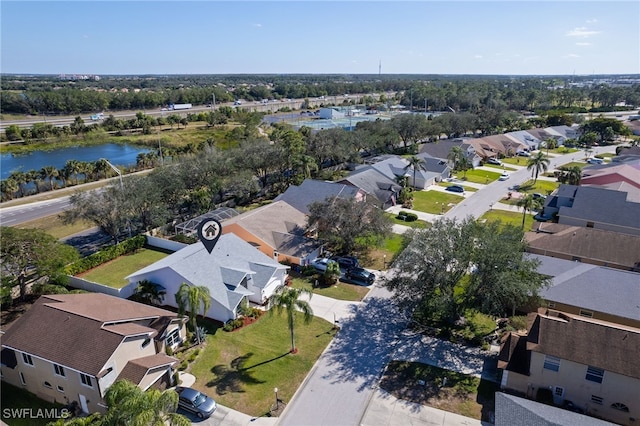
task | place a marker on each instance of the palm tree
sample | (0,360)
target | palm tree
(287,299)
(191,298)
(101,166)
(455,154)
(528,203)
(570,175)
(8,187)
(74,167)
(33,176)
(415,163)
(149,292)
(49,172)
(20,178)
(538,162)
(130,405)
(464,164)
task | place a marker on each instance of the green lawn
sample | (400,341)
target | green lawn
(380,258)
(544,187)
(415,224)
(478,176)
(240,369)
(340,291)
(16,398)
(466,188)
(576,163)
(434,202)
(563,150)
(519,161)
(500,168)
(54,226)
(513,218)
(113,273)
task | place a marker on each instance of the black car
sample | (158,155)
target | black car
(347,262)
(195,402)
(360,275)
(455,188)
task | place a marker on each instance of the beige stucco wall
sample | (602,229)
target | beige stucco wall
(615,388)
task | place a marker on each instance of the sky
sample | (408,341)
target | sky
(320,37)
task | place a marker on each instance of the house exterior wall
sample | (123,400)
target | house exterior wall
(615,388)
(262,294)
(154,375)
(565,219)
(43,371)
(130,348)
(570,309)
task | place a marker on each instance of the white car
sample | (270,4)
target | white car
(321,263)
(494,161)
(504,176)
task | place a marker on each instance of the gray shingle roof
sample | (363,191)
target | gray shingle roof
(311,191)
(374,183)
(230,260)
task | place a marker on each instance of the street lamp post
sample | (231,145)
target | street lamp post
(384,261)
(277,400)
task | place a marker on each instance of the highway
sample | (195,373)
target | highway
(12,216)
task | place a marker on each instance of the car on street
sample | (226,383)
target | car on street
(346,262)
(360,276)
(595,161)
(494,161)
(504,176)
(455,188)
(195,402)
(321,263)
(523,154)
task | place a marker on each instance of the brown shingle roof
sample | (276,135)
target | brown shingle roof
(136,369)
(513,354)
(587,341)
(55,332)
(130,329)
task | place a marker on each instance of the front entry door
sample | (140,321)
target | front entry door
(83,403)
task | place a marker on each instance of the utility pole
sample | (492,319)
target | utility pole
(411,108)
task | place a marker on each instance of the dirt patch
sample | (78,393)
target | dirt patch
(442,389)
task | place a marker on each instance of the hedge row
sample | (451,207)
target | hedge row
(407,216)
(98,258)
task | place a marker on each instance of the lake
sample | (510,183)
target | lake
(116,154)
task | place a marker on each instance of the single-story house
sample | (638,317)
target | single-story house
(72,347)
(429,171)
(526,138)
(562,133)
(234,272)
(278,230)
(374,184)
(310,191)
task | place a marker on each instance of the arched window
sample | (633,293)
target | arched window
(620,406)
(48,385)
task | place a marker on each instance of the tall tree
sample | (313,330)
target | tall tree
(129,405)
(528,204)
(409,127)
(571,175)
(149,292)
(539,163)
(455,155)
(287,300)
(50,173)
(193,299)
(105,209)
(415,164)
(31,255)
(347,224)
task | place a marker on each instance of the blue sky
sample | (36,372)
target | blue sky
(345,37)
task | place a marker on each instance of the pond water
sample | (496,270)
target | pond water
(116,154)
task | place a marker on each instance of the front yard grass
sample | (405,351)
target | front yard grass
(53,226)
(513,218)
(544,187)
(478,176)
(415,224)
(240,369)
(340,291)
(466,188)
(14,398)
(113,273)
(443,389)
(380,258)
(434,202)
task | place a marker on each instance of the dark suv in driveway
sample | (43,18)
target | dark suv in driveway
(360,276)
(346,262)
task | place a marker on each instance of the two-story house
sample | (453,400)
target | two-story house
(72,347)
(564,357)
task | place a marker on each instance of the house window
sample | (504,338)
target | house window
(60,389)
(146,343)
(24,383)
(594,374)
(551,363)
(275,255)
(47,385)
(85,380)
(552,305)
(587,314)
(173,338)
(589,224)
(558,391)
(27,359)
(59,370)
(620,406)
(596,399)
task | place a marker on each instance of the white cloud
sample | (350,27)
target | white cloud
(477,56)
(583,44)
(572,55)
(85,36)
(591,21)
(581,32)
(257,25)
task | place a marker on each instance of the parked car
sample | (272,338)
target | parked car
(523,154)
(494,161)
(360,275)
(196,402)
(321,263)
(455,188)
(346,262)
(504,176)
(595,161)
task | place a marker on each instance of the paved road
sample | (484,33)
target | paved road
(11,216)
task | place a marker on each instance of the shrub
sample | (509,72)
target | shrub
(518,322)
(407,216)
(183,365)
(233,324)
(169,351)
(128,246)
